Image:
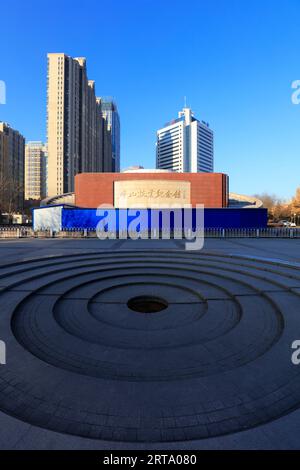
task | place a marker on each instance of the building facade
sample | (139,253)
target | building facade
(112,119)
(144,188)
(75,126)
(12,156)
(35,170)
(185,145)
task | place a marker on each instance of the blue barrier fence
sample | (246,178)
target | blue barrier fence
(213,218)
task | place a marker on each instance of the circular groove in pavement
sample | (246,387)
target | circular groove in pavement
(82,362)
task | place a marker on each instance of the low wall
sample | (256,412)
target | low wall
(213,218)
(60,218)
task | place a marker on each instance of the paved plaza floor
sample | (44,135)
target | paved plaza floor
(123,344)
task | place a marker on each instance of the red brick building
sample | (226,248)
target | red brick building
(94,189)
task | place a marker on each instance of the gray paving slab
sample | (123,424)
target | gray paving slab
(212,370)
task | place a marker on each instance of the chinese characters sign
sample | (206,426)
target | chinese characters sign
(151,193)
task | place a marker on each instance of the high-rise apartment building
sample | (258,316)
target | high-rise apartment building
(75,124)
(185,145)
(110,114)
(108,163)
(35,170)
(12,155)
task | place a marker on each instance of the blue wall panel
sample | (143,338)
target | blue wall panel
(213,218)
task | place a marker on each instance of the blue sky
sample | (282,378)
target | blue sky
(234,60)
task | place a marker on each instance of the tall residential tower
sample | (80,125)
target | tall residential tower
(12,155)
(75,124)
(35,170)
(185,145)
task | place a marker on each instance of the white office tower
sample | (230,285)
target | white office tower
(185,145)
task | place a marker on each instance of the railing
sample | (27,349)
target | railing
(18,231)
(269,232)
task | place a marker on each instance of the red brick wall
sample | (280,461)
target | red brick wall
(93,189)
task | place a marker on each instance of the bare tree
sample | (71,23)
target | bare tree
(296,202)
(277,208)
(269,200)
(11,195)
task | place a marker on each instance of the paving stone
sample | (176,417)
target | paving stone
(89,371)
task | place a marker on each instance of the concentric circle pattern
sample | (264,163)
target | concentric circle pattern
(215,360)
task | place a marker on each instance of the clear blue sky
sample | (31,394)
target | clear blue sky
(233,59)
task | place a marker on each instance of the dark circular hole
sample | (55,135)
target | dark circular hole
(147,304)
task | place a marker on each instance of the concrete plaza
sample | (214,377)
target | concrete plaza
(89,367)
